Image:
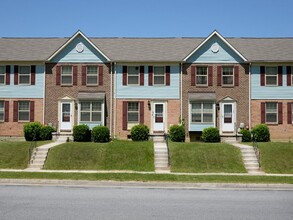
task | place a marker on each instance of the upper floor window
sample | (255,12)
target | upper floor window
(202,75)
(1,111)
(133,75)
(66,75)
(23,111)
(202,112)
(228,76)
(24,75)
(271,112)
(132,114)
(2,75)
(90,111)
(271,76)
(92,75)
(159,75)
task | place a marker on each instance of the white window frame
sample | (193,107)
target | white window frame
(91,111)
(3,74)
(267,75)
(22,75)
(2,111)
(133,75)
(226,75)
(96,74)
(23,110)
(130,124)
(202,112)
(201,75)
(160,75)
(267,111)
(66,75)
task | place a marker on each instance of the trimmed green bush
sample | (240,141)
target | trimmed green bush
(101,134)
(31,131)
(177,133)
(81,133)
(261,133)
(246,135)
(46,132)
(140,133)
(211,134)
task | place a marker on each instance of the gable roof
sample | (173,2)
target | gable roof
(215,33)
(145,49)
(71,39)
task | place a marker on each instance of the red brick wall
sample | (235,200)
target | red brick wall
(11,128)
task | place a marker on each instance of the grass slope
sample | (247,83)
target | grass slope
(276,157)
(14,154)
(205,158)
(116,155)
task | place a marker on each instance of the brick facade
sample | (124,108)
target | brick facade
(53,92)
(282,131)
(238,93)
(12,128)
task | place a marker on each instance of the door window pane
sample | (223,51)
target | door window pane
(228,113)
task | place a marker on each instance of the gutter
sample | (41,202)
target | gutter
(249,97)
(181,107)
(111,95)
(114,98)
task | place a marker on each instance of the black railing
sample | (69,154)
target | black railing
(256,150)
(168,151)
(31,149)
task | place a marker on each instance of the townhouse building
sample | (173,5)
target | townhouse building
(228,83)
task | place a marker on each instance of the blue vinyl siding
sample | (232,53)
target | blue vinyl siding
(25,91)
(69,53)
(199,127)
(146,91)
(205,55)
(269,92)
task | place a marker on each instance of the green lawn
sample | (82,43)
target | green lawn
(116,155)
(205,158)
(276,157)
(14,154)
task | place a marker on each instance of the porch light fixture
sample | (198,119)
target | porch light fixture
(149,104)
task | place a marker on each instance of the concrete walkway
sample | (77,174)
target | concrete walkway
(161,155)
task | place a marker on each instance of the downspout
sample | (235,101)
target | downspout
(249,99)
(44,94)
(114,97)
(181,107)
(111,97)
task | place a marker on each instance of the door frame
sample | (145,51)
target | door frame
(233,129)
(154,103)
(60,102)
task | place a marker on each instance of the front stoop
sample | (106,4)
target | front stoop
(40,154)
(161,155)
(250,160)
(62,136)
(231,138)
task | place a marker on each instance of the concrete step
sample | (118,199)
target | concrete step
(36,166)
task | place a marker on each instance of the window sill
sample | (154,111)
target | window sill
(92,85)
(202,86)
(66,85)
(228,86)
(272,123)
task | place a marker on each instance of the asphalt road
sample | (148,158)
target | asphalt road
(56,202)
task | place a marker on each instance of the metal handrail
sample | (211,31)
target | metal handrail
(256,150)
(31,149)
(168,150)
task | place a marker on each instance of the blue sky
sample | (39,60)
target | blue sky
(146,18)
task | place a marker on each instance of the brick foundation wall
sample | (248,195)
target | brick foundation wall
(11,128)
(282,131)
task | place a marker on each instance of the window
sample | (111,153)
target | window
(132,114)
(24,75)
(91,111)
(271,76)
(66,75)
(271,112)
(227,74)
(159,75)
(23,111)
(202,112)
(292,112)
(202,76)
(92,75)
(2,75)
(1,110)
(133,75)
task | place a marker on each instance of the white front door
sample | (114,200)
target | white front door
(228,117)
(159,117)
(66,116)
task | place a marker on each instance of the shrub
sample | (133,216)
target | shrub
(101,134)
(211,134)
(81,133)
(261,133)
(46,132)
(177,133)
(140,133)
(31,131)
(246,135)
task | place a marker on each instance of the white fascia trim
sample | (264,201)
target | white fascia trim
(71,39)
(223,39)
